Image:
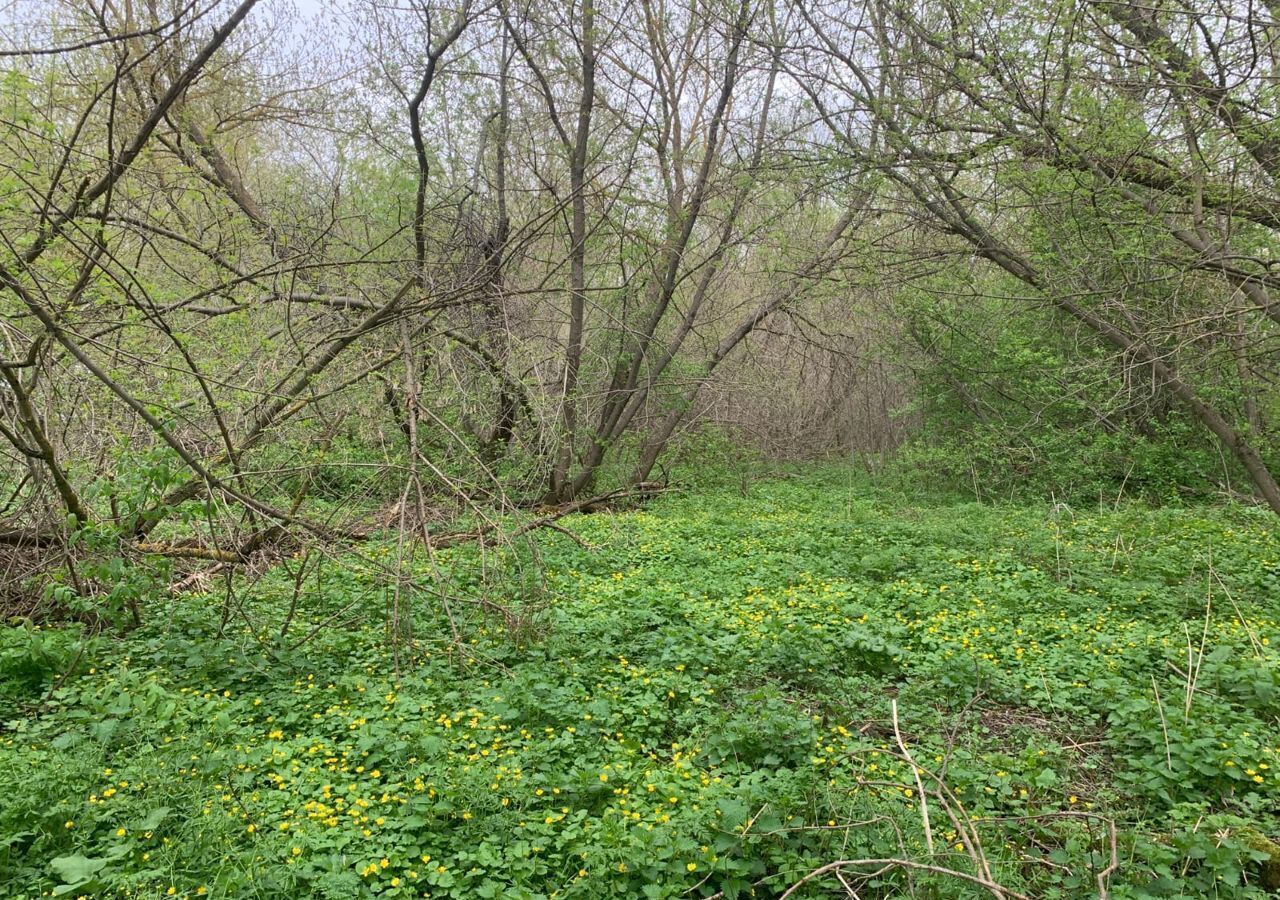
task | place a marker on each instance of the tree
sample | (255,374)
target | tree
(1014,136)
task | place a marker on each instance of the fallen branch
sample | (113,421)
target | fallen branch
(915,771)
(644,489)
(31,537)
(885,864)
(178,551)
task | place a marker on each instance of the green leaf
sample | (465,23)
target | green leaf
(76,870)
(1047,778)
(154,818)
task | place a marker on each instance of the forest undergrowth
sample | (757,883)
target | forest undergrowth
(717,694)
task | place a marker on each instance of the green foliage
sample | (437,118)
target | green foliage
(1013,408)
(1079,466)
(338,471)
(33,658)
(704,707)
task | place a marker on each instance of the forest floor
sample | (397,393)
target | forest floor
(720,692)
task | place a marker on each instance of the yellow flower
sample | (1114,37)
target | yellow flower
(689,867)
(121,832)
(296,851)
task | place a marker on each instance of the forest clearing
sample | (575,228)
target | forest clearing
(640,448)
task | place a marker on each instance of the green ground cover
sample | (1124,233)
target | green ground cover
(698,702)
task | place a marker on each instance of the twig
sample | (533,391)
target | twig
(997,889)
(1248,629)
(915,771)
(1164,727)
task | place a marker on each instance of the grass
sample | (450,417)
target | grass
(699,701)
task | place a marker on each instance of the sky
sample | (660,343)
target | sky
(310,7)
(312,18)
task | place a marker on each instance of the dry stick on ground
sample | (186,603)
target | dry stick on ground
(965,824)
(959,817)
(215,554)
(1164,726)
(1113,841)
(1244,623)
(1195,658)
(644,489)
(888,864)
(915,772)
